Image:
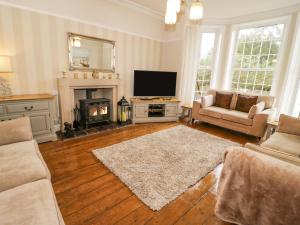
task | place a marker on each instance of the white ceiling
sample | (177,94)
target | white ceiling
(225,8)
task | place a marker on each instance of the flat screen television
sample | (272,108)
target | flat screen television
(154,83)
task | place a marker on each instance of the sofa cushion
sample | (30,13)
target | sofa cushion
(237,117)
(255,109)
(283,142)
(245,102)
(223,100)
(289,125)
(16,130)
(207,100)
(21,163)
(269,100)
(31,203)
(213,111)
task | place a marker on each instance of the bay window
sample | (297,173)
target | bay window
(205,70)
(255,58)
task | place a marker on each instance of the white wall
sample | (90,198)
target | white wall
(113,14)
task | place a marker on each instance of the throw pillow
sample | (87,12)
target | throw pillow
(207,101)
(223,100)
(245,102)
(258,108)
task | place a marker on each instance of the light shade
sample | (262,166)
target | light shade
(5,64)
(170,17)
(196,11)
(173,5)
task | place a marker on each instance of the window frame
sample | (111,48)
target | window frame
(215,65)
(234,44)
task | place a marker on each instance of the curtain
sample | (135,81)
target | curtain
(191,54)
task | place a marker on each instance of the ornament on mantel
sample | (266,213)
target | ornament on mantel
(5,89)
(85,76)
(64,74)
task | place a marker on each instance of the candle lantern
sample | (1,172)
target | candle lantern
(124,111)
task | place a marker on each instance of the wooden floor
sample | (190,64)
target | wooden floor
(88,193)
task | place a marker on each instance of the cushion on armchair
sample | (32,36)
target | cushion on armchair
(289,125)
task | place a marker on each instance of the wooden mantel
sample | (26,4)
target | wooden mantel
(66,87)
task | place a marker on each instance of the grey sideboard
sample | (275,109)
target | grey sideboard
(154,110)
(38,107)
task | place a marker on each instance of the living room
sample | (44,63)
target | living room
(150,112)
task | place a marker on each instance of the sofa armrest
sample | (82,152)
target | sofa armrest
(260,123)
(289,125)
(196,108)
(16,130)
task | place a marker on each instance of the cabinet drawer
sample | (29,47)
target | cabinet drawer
(2,109)
(171,110)
(141,111)
(26,106)
(40,123)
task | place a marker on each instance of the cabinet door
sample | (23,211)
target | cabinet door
(141,111)
(171,110)
(40,123)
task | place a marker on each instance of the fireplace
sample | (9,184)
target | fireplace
(94,111)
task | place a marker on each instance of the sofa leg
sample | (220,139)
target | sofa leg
(192,121)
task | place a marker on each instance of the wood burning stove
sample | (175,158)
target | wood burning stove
(94,110)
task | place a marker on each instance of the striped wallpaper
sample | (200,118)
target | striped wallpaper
(38,46)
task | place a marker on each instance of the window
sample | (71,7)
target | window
(296,111)
(205,67)
(256,58)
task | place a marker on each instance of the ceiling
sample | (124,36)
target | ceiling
(225,8)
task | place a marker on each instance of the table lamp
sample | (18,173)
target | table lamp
(5,68)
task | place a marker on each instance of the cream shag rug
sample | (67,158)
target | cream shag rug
(158,167)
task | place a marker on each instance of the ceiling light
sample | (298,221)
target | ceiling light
(173,5)
(196,11)
(170,17)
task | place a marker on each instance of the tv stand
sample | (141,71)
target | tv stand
(154,110)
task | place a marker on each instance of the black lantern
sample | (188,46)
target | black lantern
(124,111)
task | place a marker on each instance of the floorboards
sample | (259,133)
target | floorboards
(88,193)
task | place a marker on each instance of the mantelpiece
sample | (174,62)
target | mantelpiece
(67,87)
(38,107)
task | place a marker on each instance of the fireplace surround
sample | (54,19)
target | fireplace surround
(67,87)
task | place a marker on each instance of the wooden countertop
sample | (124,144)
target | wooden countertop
(26,97)
(155,100)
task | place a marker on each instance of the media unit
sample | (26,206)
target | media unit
(154,110)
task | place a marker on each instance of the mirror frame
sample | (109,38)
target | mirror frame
(72,68)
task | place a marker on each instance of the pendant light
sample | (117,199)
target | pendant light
(170,17)
(196,11)
(173,5)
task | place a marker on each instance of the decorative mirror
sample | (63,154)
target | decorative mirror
(89,53)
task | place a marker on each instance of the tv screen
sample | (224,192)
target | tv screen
(154,83)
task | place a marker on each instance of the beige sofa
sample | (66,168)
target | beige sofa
(284,143)
(254,124)
(26,194)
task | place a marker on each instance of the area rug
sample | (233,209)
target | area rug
(158,167)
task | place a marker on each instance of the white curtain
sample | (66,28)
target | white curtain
(191,54)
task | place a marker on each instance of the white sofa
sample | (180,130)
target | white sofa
(254,123)
(26,194)
(284,143)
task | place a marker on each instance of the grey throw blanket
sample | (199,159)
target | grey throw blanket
(257,189)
